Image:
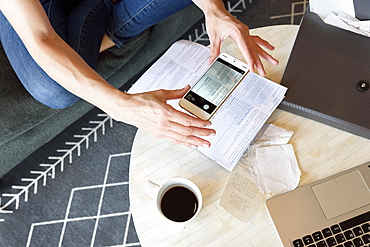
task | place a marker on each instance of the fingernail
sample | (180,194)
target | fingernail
(205,145)
(212,134)
(193,146)
(209,124)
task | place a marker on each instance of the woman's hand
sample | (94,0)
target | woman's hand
(149,111)
(220,24)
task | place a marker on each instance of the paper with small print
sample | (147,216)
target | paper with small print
(241,197)
(237,121)
(268,165)
(241,117)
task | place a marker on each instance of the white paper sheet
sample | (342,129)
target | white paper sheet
(334,20)
(269,135)
(271,162)
(276,170)
(324,7)
(181,65)
(340,13)
(272,135)
(348,22)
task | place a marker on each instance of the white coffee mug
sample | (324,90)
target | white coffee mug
(174,198)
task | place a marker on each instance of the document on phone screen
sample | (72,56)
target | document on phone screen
(217,83)
(241,116)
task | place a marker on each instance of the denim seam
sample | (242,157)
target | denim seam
(132,17)
(84,21)
(114,39)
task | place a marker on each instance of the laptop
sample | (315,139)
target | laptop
(328,76)
(334,211)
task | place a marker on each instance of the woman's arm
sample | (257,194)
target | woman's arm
(148,111)
(220,24)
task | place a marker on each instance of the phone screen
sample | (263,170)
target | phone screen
(214,85)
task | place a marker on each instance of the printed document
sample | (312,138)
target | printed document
(241,197)
(241,116)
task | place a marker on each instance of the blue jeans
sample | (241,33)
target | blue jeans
(82,24)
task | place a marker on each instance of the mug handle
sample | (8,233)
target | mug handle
(151,188)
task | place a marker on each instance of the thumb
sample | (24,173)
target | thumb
(215,51)
(177,93)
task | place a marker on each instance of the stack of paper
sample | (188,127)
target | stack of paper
(340,13)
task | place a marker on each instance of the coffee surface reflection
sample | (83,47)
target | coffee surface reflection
(179,204)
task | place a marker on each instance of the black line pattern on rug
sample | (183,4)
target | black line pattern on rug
(42,175)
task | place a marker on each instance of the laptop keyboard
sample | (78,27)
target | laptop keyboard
(350,233)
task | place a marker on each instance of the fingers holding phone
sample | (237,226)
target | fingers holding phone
(214,86)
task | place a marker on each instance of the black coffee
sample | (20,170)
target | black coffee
(179,204)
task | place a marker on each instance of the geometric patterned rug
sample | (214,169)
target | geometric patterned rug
(74,190)
(78,195)
(255,13)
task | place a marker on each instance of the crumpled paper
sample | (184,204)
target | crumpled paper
(276,169)
(271,163)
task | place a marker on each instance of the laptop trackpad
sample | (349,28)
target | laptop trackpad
(342,194)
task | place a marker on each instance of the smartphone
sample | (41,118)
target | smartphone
(214,86)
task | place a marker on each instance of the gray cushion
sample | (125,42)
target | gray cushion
(17,116)
(20,112)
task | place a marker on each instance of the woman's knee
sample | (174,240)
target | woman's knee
(57,103)
(51,94)
(33,78)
